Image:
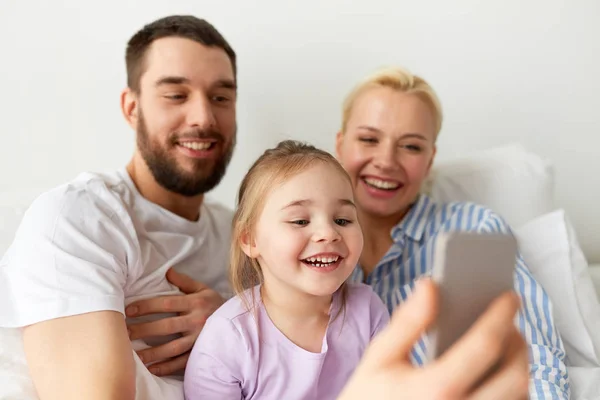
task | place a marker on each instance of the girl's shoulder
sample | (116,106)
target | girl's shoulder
(360,296)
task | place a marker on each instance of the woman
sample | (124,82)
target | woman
(387,143)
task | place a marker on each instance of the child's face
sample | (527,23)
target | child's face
(308,238)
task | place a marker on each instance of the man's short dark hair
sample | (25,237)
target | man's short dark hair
(184,26)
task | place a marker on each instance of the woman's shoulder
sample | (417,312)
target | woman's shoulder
(466,216)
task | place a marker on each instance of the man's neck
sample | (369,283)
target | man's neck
(184,206)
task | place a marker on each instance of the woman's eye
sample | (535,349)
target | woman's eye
(368,140)
(413,147)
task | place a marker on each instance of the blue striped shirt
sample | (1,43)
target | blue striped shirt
(411,256)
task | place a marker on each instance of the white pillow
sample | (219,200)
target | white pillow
(516,184)
(550,249)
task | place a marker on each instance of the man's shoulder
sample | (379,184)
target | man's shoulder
(218,208)
(220,218)
(88,195)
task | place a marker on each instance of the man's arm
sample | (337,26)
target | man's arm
(549,377)
(87,356)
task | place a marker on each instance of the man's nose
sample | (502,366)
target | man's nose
(201,113)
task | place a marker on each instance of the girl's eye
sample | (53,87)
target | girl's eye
(300,222)
(342,221)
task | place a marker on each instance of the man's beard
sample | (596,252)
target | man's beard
(169,175)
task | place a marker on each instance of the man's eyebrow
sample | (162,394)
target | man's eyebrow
(172,80)
(226,84)
(181,80)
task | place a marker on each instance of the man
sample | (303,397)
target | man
(86,249)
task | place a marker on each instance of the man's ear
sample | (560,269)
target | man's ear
(249,245)
(130,107)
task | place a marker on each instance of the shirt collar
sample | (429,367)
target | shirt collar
(414,222)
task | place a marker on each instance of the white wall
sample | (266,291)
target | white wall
(510,70)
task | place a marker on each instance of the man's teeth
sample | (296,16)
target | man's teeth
(322,261)
(378,183)
(196,145)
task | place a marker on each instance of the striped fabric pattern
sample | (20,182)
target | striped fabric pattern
(411,256)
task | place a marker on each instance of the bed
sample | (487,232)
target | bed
(511,180)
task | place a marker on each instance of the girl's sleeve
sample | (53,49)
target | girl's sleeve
(214,369)
(379,314)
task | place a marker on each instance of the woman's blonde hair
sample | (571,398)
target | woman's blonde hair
(401,80)
(272,168)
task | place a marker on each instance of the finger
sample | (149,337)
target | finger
(511,381)
(172,349)
(184,283)
(409,321)
(481,347)
(166,326)
(163,304)
(170,367)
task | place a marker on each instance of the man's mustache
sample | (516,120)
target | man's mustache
(199,134)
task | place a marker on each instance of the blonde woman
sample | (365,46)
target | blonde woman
(387,144)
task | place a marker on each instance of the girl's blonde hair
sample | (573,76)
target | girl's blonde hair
(273,168)
(400,80)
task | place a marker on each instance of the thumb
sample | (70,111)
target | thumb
(409,321)
(186,284)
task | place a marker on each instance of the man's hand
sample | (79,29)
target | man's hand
(385,372)
(198,303)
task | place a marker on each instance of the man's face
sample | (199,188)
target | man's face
(186,127)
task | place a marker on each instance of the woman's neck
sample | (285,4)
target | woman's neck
(377,238)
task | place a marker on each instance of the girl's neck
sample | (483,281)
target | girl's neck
(294,303)
(302,318)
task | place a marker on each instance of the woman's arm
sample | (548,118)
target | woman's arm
(549,377)
(87,356)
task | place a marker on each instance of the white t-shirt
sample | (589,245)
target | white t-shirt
(96,244)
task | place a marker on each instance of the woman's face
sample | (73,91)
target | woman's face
(387,148)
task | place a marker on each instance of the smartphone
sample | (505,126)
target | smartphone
(471,270)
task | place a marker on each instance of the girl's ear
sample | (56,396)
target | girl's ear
(249,245)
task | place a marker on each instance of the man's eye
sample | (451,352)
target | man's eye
(221,99)
(176,97)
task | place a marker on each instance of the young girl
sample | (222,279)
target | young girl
(295,330)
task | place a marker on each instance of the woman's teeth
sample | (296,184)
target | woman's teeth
(379,184)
